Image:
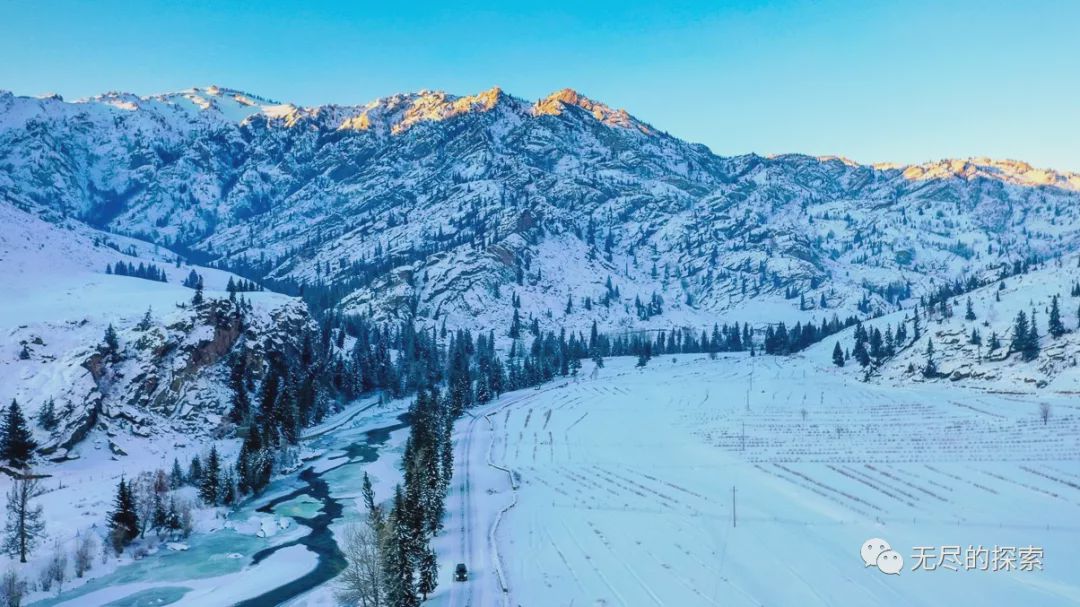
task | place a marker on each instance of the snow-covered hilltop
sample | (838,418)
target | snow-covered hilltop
(449,208)
(166,380)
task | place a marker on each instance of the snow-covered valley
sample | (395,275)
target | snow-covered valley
(625,486)
(209,276)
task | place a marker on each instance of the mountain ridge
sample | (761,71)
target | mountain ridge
(547,105)
(431,206)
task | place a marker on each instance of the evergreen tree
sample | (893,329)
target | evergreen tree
(930,369)
(970,313)
(877,346)
(47,416)
(111,345)
(838,355)
(643,358)
(375,514)
(241,403)
(515,325)
(159,518)
(397,557)
(176,476)
(1031,344)
(253,466)
(16,442)
(1057,328)
(146,322)
(124,519)
(429,573)
(195,470)
(860,354)
(198,299)
(228,488)
(210,487)
(1021,332)
(286,414)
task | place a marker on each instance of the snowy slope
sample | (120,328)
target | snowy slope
(169,378)
(976,365)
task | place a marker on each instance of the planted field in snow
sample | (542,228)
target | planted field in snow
(626,485)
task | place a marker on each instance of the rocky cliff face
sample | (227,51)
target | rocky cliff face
(167,379)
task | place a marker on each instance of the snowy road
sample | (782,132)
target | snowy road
(471,515)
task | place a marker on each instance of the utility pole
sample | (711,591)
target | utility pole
(751,387)
(733,519)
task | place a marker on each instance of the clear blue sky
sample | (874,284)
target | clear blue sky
(904,81)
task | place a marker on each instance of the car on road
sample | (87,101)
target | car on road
(461,574)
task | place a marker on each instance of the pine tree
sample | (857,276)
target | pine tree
(195,470)
(287,415)
(375,514)
(198,299)
(228,488)
(241,404)
(160,518)
(176,476)
(46,417)
(1057,328)
(210,487)
(1031,344)
(146,322)
(111,342)
(860,354)
(970,313)
(429,573)
(1020,334)
(397,557)
(838,355)
(252,465)
(124,519)
(877,350)
(643,359)
(16,442)
(930,369)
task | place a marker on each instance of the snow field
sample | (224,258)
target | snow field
(625,489)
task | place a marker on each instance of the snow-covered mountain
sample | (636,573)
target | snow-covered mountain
(166,381)
(452,208)
(973,341)
(469,211)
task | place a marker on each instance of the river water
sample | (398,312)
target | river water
(227,551)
